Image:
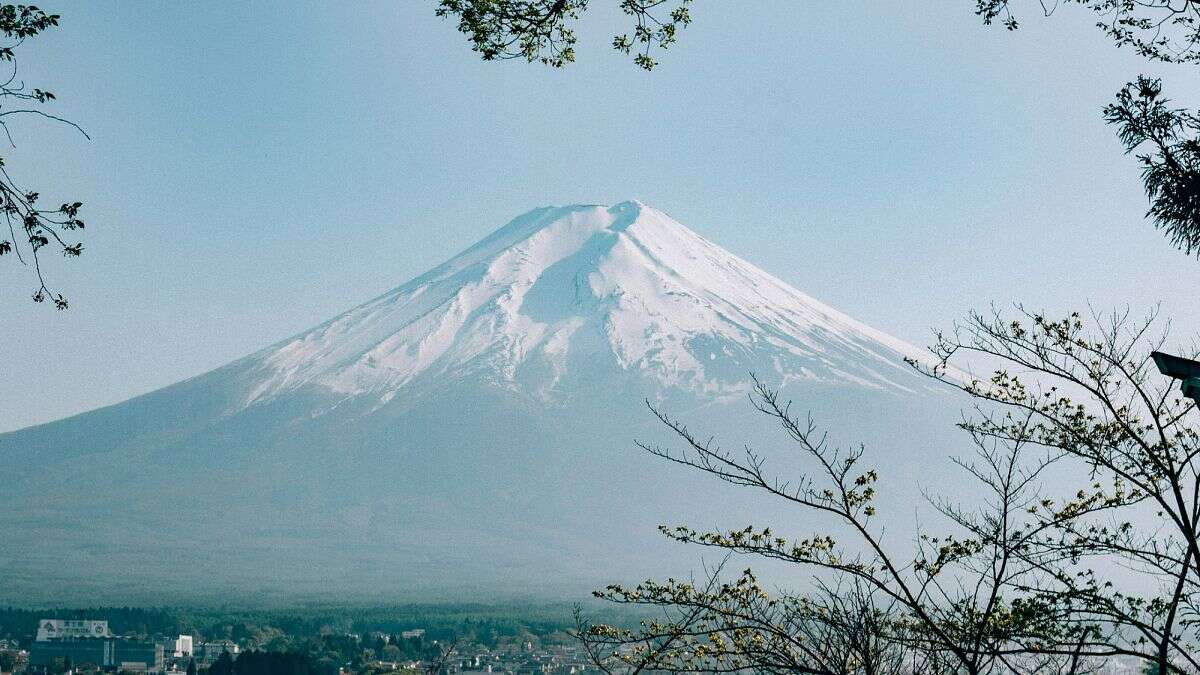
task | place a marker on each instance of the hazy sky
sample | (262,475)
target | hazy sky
(256,168)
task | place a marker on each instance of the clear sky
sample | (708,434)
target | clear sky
(256,168)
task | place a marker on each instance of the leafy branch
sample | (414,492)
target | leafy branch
(32,229)
(542,30)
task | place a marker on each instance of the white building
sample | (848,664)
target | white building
(213,649)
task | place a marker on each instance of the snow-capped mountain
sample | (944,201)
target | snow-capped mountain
(558,288)
(470,432)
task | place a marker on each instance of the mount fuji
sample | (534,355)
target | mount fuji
(467,434)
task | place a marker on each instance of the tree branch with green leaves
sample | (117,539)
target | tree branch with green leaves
(959,602)
(32,229)
(1088,391)
(543,30)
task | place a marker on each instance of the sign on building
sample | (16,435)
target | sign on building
(64,629)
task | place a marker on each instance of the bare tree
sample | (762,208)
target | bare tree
(1083,546)
(953,603)
(1089,392)
(735,626)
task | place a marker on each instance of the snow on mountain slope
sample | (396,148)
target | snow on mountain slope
(579,287)
(467,435)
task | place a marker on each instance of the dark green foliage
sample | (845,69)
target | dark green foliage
(255,662)
(222,666)
(38,227)
(535,30)
(1165,140)
(20,623)
(542,30)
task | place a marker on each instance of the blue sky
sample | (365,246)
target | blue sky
(259,167)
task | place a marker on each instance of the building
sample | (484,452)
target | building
(138,656)
(90,642)
(213,649)
(63,629)
(183,646)
(106,653)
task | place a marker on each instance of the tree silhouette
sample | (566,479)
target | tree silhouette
(222,666)
(541,30)
(1161,30)
(32,229)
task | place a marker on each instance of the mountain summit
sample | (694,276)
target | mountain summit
(466,435)
(559,292)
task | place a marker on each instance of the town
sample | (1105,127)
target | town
(57,646)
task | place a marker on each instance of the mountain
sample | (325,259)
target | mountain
(469,433)
(559,291)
